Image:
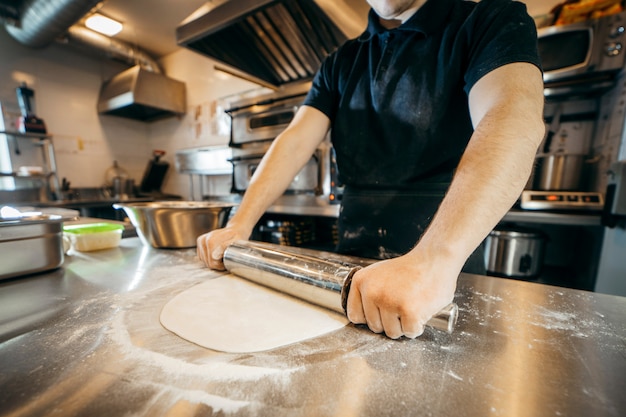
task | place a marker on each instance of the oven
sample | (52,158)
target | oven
(310,179)
(256,121)
(583,57)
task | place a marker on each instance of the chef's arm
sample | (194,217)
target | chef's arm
(506,107)
(399,295)
(289,152)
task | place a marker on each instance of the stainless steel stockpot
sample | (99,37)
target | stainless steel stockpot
(515,252)
(559,172)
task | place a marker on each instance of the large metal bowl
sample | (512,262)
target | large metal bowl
(175,224)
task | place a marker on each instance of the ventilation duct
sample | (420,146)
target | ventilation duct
(111,48)
(9,12)
(276,41)
(42,21)
(141,92)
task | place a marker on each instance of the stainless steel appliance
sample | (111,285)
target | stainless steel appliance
(256,122)
(561,200)
(514,252)
(28,122)
(583,57)
(306,181)
(277,42)
(265,118)
(140,94)
(566,163)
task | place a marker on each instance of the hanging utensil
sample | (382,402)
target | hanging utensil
(555,124)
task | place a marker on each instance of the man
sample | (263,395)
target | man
(431,88)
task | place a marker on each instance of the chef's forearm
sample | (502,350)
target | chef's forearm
(494,169)
(289,152)
(487,183)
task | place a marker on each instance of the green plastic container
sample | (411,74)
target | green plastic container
(94,236)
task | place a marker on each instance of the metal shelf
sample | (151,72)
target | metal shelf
(27,177)
(543,217)
(44,141)
(27,135)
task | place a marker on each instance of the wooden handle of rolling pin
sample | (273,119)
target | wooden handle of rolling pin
(305,274)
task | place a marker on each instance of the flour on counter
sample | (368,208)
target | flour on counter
(217,368)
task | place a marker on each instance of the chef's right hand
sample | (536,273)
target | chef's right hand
(211,246)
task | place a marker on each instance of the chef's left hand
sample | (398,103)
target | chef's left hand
(398,296)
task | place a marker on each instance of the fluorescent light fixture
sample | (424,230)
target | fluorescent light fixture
(103,24)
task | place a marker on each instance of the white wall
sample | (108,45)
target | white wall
(67,84)
(207,91)
(66,89)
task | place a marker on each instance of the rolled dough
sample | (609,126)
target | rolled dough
(231,314)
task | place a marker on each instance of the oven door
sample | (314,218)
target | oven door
(262,122)
(306,181)
(582,58)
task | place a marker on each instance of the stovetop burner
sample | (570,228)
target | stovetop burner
(561,200)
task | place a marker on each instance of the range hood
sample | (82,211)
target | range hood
(275,41)
(141,94)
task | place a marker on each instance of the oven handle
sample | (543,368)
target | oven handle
(245,158)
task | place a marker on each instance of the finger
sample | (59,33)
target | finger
(355,306)
(217,253)
(372,316)
(391,324)
(215,256)
(201,249)
(412,327)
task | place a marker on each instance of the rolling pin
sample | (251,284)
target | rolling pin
(319,278)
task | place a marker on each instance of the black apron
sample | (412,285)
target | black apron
(383,224)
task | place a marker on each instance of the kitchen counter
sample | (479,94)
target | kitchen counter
(86,340)
(308,205)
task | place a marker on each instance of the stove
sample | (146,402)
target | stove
(561,200)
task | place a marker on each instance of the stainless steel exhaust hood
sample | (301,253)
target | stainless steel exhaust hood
(276,41)
(142,95)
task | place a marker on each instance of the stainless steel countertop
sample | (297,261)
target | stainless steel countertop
(86,340)
(304,205)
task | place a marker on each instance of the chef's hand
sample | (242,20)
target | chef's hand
(398,296)
(211,246)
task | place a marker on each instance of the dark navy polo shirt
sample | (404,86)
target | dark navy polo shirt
(398,99)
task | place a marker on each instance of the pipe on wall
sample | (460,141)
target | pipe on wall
(42,22)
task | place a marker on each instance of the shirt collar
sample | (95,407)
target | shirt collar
(426,20)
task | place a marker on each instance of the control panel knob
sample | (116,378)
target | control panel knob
(617,32)
(613,48)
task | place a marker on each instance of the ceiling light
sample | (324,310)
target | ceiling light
(103,24)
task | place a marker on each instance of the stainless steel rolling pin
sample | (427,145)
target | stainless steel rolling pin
(323,280)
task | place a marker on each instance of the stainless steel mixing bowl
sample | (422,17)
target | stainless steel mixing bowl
(175,224)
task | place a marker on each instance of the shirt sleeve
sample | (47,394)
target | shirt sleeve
(499,33)
(322,93)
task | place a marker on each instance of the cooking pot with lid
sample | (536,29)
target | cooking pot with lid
(30,242)
(515,252)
